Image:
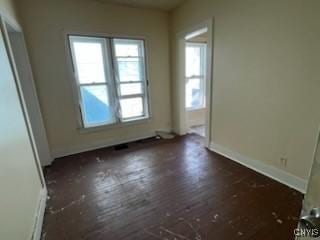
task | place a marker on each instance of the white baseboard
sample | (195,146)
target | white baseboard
(79,149)
(40,215)
(277,174)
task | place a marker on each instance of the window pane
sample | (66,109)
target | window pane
(193,61)
(129,69)
(193,93)
(130,88)
(96,105)
(131,107)
(89,61)
(128,48)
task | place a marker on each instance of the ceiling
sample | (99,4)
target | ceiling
(152,4)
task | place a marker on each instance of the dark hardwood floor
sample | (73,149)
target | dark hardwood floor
(165,189)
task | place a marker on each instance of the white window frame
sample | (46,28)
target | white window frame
(143,82)
(202,76)
(111,75)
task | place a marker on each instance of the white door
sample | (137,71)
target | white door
(20,184)
(30,95)
(312,198)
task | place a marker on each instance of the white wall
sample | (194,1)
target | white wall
(45,23)
(266,77)
(20,185)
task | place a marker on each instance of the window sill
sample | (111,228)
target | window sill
(102,128)
(195,109)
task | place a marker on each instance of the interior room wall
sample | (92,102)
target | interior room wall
(266,77)
(46,23)
(20,185)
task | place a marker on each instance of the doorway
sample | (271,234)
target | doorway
(194,56)
(195,84)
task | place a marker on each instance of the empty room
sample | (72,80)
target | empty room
(159,119)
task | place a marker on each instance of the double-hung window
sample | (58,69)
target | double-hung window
(195,75)
(110,76)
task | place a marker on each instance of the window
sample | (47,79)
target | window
(195,75)
(110,78)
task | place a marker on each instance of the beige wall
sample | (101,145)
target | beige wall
(45,23)
(266,77)
(20,186)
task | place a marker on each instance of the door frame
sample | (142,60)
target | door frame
(180,111)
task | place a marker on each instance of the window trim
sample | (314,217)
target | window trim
(75,89)
(202,77)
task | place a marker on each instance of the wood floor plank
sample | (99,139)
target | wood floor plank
(164,189)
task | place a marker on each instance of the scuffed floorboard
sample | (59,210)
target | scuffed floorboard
(164,189)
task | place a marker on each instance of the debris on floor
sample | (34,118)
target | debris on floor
(240,233)
(79,201)
(164,135)
(279,221)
